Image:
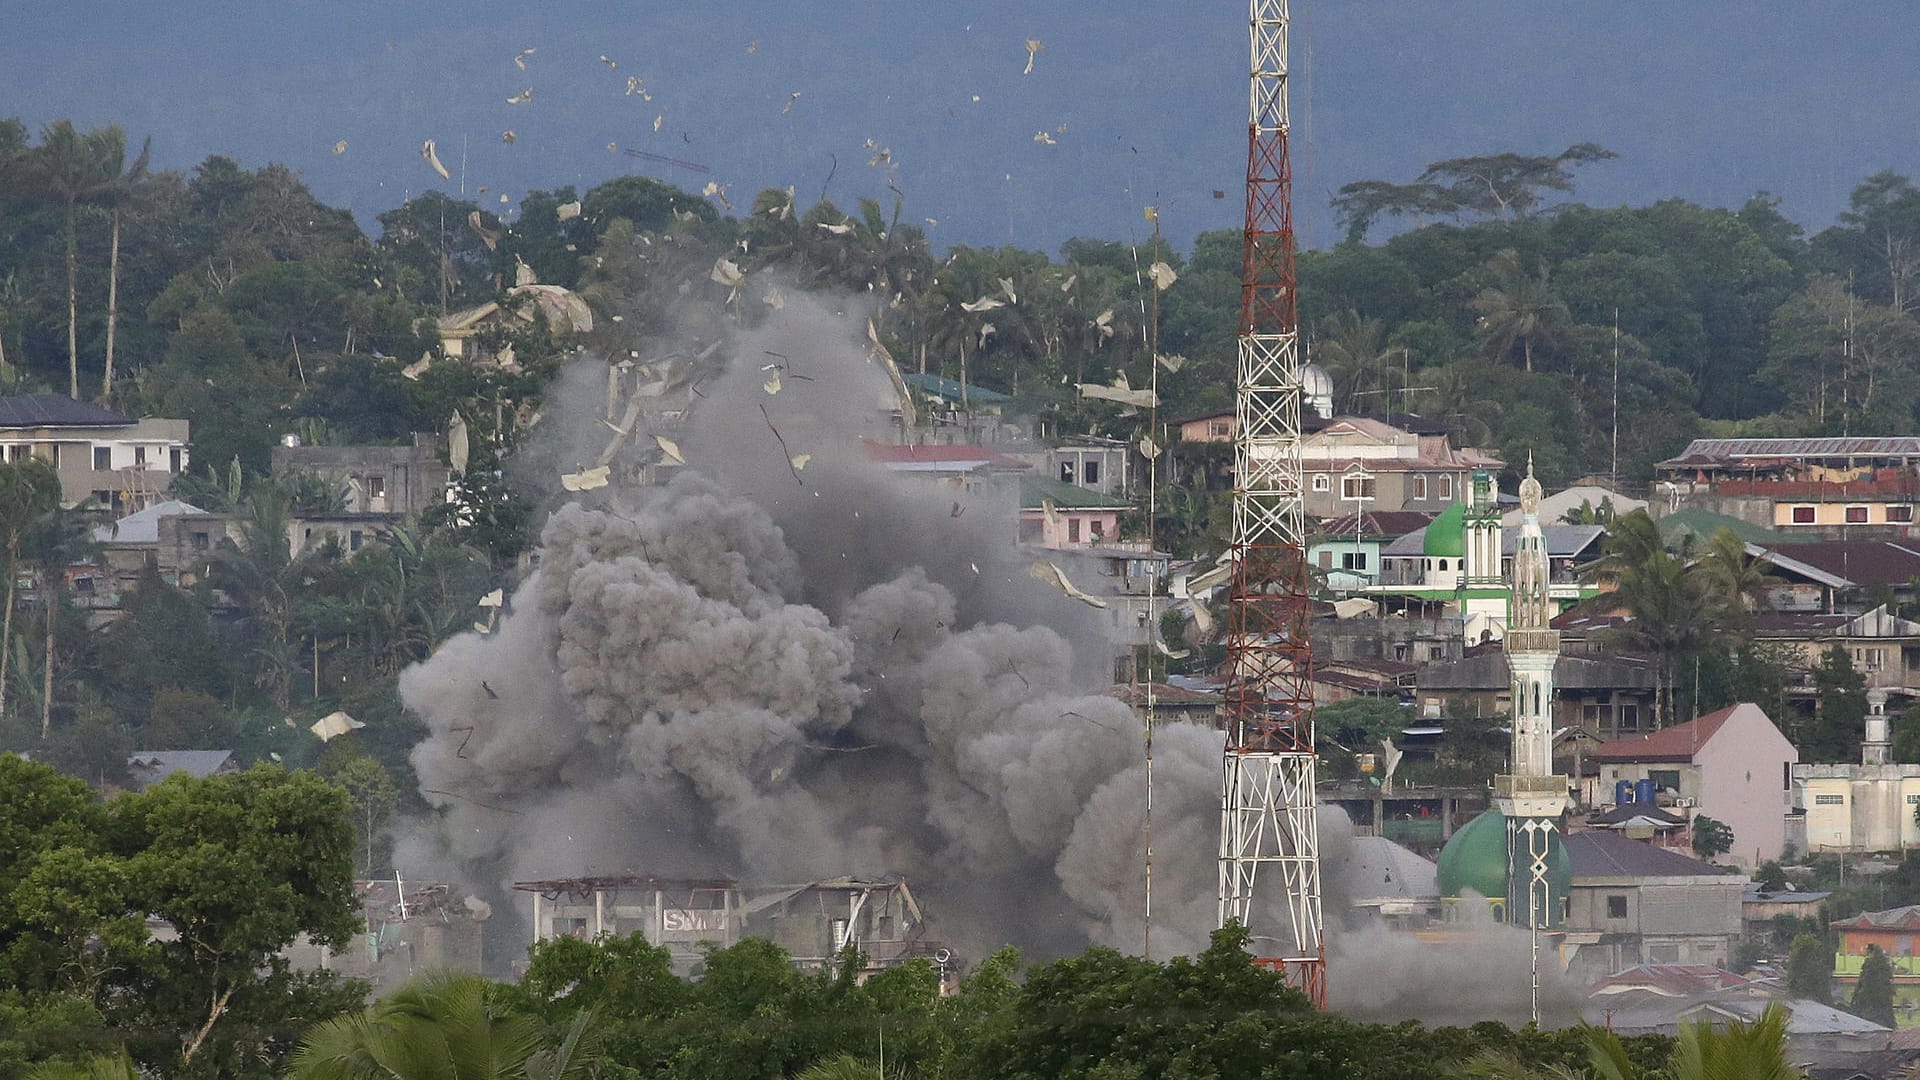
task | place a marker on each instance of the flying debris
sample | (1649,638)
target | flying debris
(1051,511)
(1006,286)
(522,97)
(418,368)
(520,58)
(714,190)
(986,332)
(636,85)
(933,223)
(985,303)
(788,107)
(433,159)
(1173,362)
(585,479)
(340,147)
(508,137)
(772,385)
(1042,570)
(658,120)
(1119,391)
(487,236)
(841,229)
(613,148)
(1162,275)
(333,725)
(1043,138)
(567,211)
(753,46)
(504,199)
(799,461)
(494,599)
(1061,130)
(611,64)
(1171,654)
(1067,286)
(457,444)
(1103,322)
(670,448)
(774,299)
(726,272)
(1033,49)
(489,691)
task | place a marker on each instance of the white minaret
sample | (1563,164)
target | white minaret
(1530,795)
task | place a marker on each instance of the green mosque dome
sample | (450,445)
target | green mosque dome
(1475,859)
(1447,536)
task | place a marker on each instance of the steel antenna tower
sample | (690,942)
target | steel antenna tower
(1267,822)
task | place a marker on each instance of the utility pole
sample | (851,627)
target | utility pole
(1267,790)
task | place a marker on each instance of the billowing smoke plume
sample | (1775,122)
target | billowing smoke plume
(785,669)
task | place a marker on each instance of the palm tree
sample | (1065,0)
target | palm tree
(29,490)
(114,194)
(1520,309)
(96,1067)
(444,1027)
(1755,1051)
(1740,583)
(260,574)
(1354,352)
(1673,613)
(56,540)
(72,168)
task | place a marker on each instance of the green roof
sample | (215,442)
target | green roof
(1475,860)
(1037,489)
(1447,536)
(1704,523)
(949,390)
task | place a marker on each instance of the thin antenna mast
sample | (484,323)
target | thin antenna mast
(1267,790)
(1614,471)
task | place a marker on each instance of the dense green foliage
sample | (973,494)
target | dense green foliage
(1873,992)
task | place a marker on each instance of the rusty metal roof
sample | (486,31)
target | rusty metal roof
(1704,451)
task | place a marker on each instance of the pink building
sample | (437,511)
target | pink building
(1732,765)
(1064,517)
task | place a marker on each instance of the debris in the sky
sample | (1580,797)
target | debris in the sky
(1151,213)
(1171,361)
(522,97)
(957,510)
(1162,275)
(777,437)
(884,156)
(433,159)
(567,211)
(1051,511)
(985,303)
(726,272)
(838,230)
(714,190)
(1171,654)
(786,208)
(504,200)
(520,58)
(487,236)
(1006,286)
(333,725)
(1043,138)
(457,444)
(799,461)
(753,46)
(1148,449)
(1067,286)
(637,85)
(670,448)
(1061,130)
(585,479)
(1119,391)
(976,99)
(489,691)
(658,120)
(933,223)
(1219,194)
(772,385)
(1033,48)
(340,147)
(1103,322)
(975,567)
(986,332)
(418,368)
(611,64)
(788,107)
(508,137)
(1042,570)
(613,148)
(494,599)
(774,299)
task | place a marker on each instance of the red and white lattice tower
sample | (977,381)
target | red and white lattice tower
(1267,827)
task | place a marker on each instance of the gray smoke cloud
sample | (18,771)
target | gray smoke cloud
(783,674)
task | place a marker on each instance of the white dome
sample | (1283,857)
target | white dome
(1315,382)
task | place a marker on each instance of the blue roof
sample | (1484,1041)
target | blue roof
(949,390)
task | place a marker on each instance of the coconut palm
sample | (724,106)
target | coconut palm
(1519,309)
(29,491)
(1740,583)
(445,1027)
(96,1067)
(1353,350)
(1750,1051)
(113,194)
(71,168)
(56,540)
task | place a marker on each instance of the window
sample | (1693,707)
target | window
(354,539)
(173,460)
(1856,515)
(1322,482)
(1436,652)
(1803,515)
(1090,472)
(1629,718)
(139,455)
(1900,514)
(376,487)
(1443,565)
(53,454)
(102,458)
(16,452)
(1357,486)
(1219,429)
(1419,487)
(1446,486)
(1664,779)
(1829,800)
(1066,472)
(1913,800)
(1402,650)
(1870,659)
(1663,954)
(1616,907)
(200,541)
(1098,529)
(1326,559)
(1073,530)
(1353,560)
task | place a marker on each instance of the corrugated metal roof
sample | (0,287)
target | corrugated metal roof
(56,410)
(1839,446)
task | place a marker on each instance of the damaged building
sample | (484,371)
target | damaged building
(411,927)
(812,921)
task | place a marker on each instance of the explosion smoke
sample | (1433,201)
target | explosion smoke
(740,674)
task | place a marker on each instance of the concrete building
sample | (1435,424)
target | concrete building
(1845,487)
(121,463)
(1386,885)
(1892,932)
(1347,550)
(682,915)
(468,334)
(960,466)
(1608,697)
(1352,464)
(1632,903)
(1864,807)
(1884,648)
(1063,516)
(410,928)
(1831,575)
(401,481)
(1732,765)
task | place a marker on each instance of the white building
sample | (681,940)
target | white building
(120,462)
(1864,807)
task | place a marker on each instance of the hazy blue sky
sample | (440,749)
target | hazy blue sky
(1709,101)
